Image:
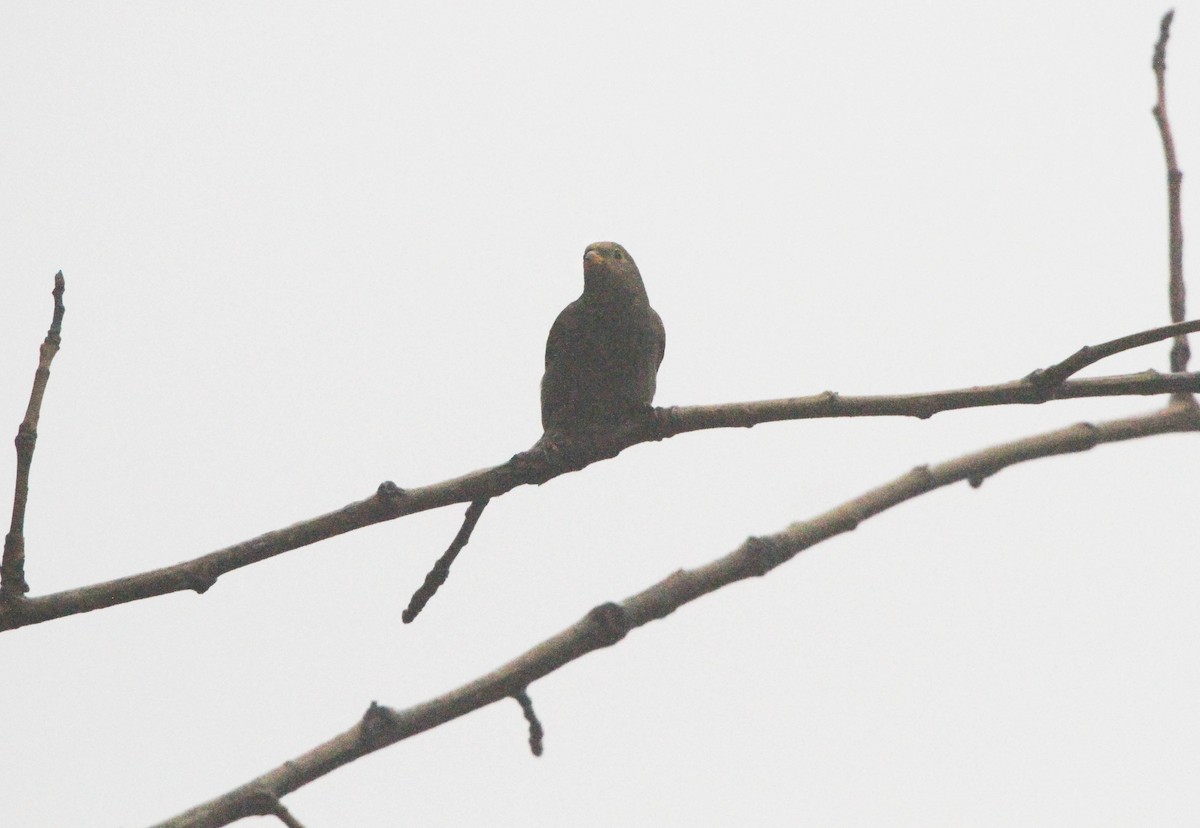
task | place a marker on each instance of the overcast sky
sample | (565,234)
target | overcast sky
(312,247)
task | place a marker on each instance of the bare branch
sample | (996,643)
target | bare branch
(608,623)
(391,502)
(441,570)
(1089,354)
(12,570)
(1180,351)
(921,405)
(535,727)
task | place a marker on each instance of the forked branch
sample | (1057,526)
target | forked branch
(608,623)
(390,501)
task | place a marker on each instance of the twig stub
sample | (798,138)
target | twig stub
(535,727)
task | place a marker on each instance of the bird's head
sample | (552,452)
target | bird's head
(609,270)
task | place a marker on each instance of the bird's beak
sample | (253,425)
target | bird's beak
(591,258)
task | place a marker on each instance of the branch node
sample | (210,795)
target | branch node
(378,724)
(662,422)
(1044,381)
(922,471)
(1093,434)
(26,438)
(609,623)
(12,571)
(763,553)
(1047,381)
(389,491)
(850,519)
(198,580)
(262,801)
(535,727)
(265,802)
(536,464)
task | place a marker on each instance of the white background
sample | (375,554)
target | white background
(312,247)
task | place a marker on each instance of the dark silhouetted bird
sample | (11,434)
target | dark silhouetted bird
(604,349)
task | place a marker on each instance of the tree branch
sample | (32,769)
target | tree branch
(12,568)
(535,726)
(608,623)
(1089,354)
(1177,293)
(441,570)
(391,502)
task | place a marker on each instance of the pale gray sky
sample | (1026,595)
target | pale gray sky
(312,247)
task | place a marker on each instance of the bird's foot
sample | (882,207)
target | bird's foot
(553,454)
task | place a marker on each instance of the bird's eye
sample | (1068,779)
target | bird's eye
(617,254)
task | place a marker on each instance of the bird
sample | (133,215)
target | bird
(603,351)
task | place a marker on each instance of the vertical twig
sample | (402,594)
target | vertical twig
(12,566)
(535,727)
(1180,352)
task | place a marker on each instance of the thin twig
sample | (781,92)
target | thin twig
(607,624)
(265,802)
(285,816)
(441,570)
(12,569)
(390,502)
(1089,354)
(535,727)
(1180,351)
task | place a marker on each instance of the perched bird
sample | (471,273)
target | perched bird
(604,349)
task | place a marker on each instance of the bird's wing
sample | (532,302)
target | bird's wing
(660,335)
(562,332)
